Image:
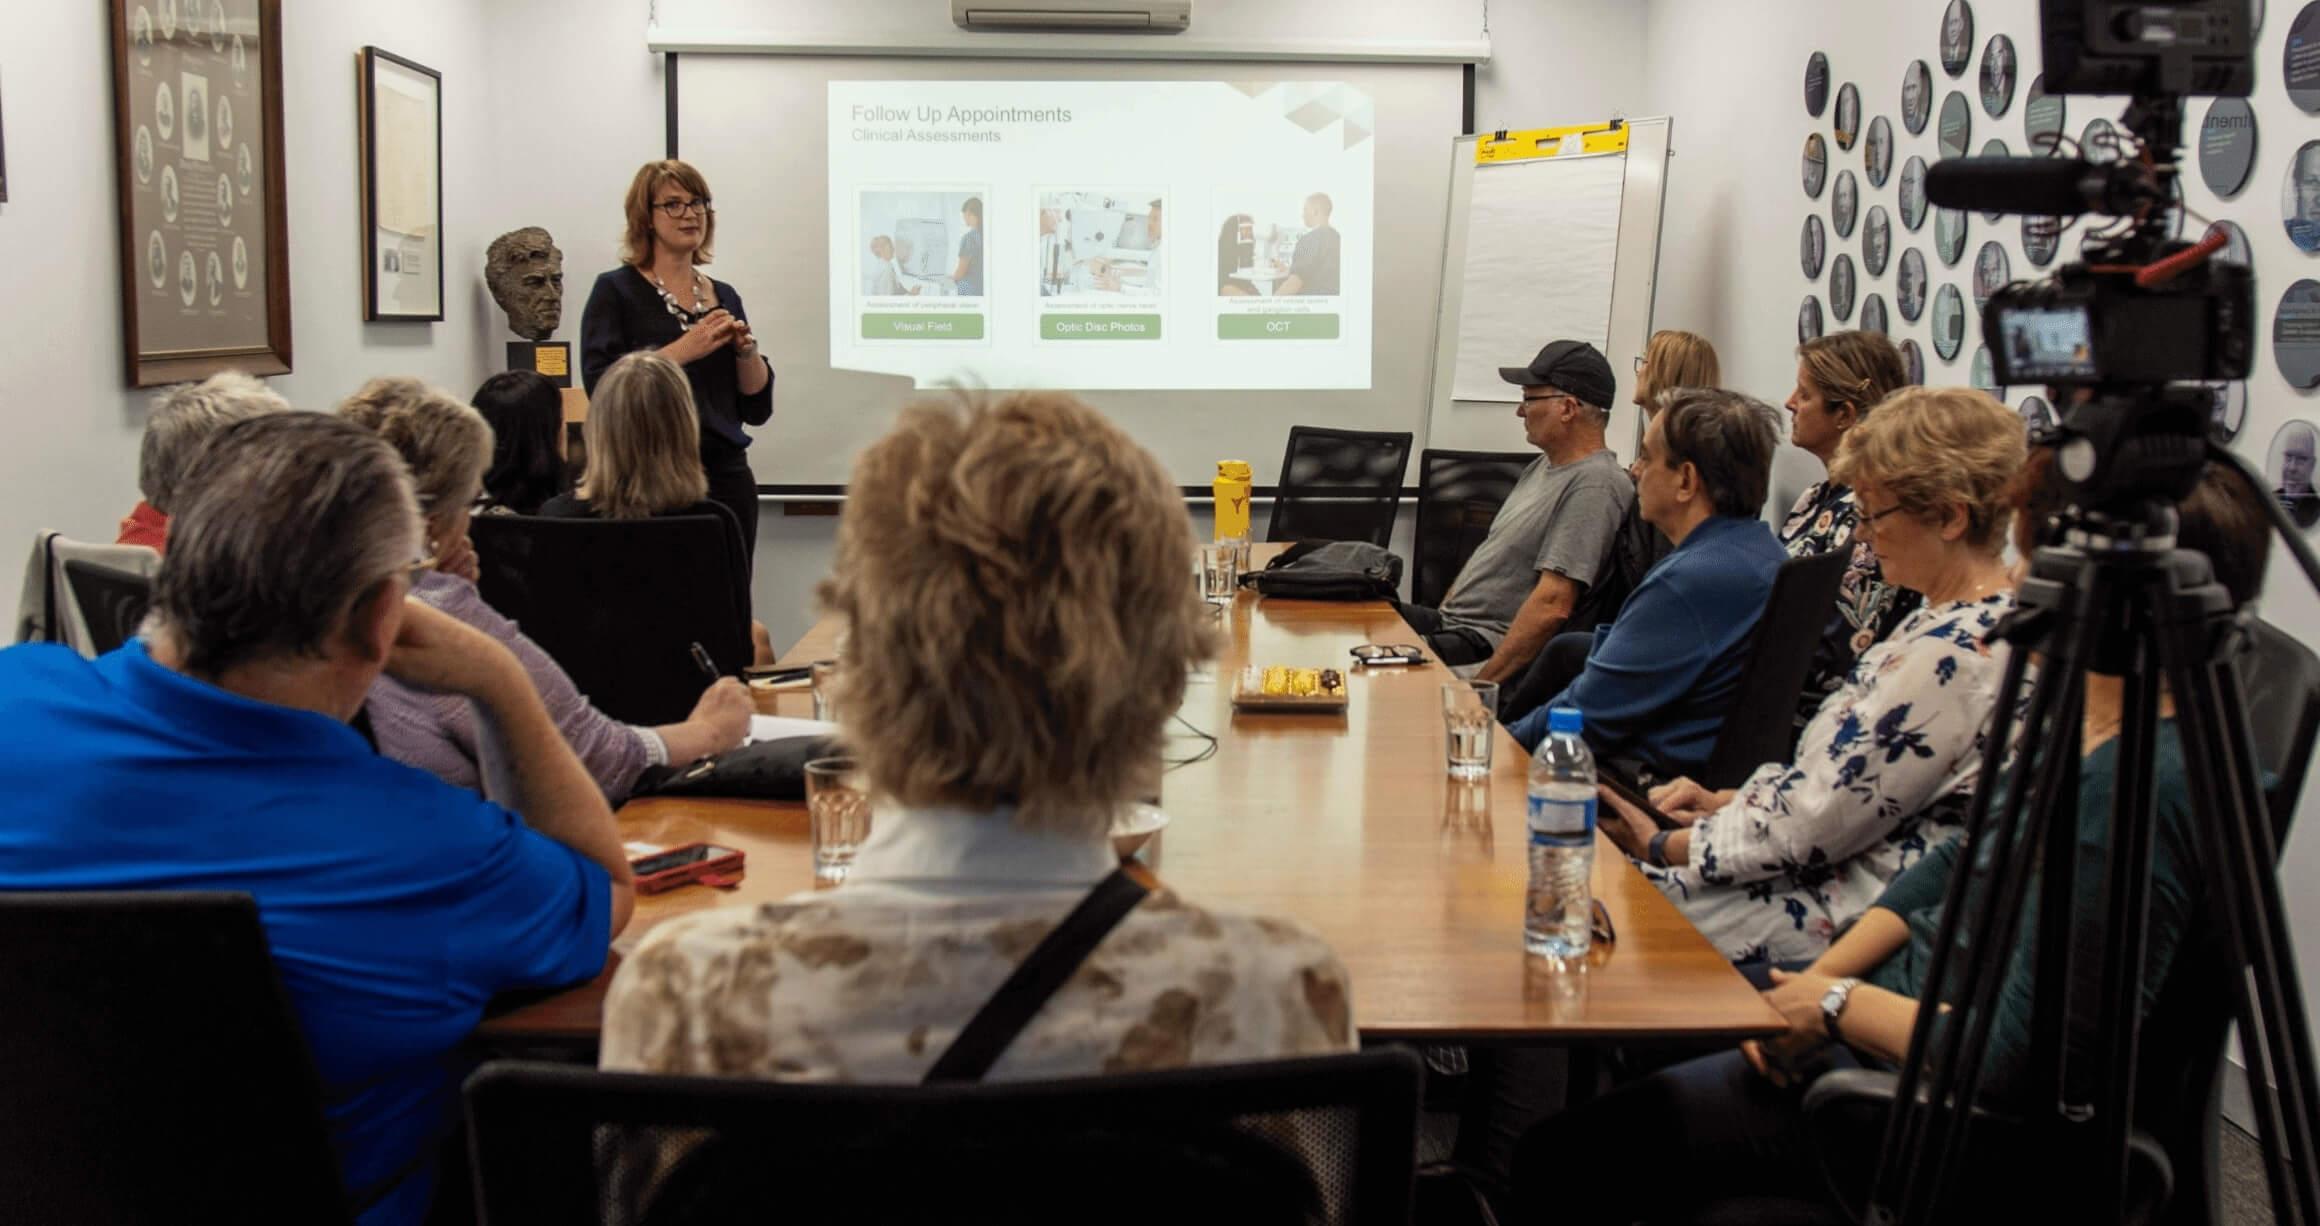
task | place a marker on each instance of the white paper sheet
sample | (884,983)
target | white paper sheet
(1541,239)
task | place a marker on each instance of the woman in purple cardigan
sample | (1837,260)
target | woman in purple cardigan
(447,444)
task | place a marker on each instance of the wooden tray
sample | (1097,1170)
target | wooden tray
(1249,695)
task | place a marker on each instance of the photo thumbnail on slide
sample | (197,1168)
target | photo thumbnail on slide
(921,263)
(1013,234)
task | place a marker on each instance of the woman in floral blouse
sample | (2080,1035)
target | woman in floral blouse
(1839,379)
(1773,869)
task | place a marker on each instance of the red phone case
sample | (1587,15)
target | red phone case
(716,870)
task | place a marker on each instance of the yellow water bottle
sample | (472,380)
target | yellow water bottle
(1231,489)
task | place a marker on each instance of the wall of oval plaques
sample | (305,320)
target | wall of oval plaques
(1955,133)
(1983,374)
(2043,117)
(1876,240)
(1816,84)
(1957,37)
(1808,319)
(2000,70)
(1994,148)
(2099,143)
(1813,246)
(1992,270)
(2288,466)
(2298,66)
(1913,194)
(1949,322)
(2229,415)
(1877,158)
(1873,317)
(2036,413)
(1841,287)
(1949,236)
(1913,361)
(2296,334)
(1845,204)
(1916,97)
(1816,165)
(2300,197)
(1848,120)
(1909,285)
(2227,146)
(2041,238)
(2235,244)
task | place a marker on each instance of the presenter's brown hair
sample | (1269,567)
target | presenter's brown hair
(636,243)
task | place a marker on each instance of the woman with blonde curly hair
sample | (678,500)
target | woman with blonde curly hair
(1011,575)
(1772,870)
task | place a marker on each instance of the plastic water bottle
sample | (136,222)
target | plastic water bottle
(1557,908)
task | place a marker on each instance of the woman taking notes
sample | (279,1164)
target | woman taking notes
(659,300)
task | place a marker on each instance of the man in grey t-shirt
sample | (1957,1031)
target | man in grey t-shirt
(1551,535)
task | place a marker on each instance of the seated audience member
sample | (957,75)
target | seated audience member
(1010,576)
(1550,536)
(182,420)
(1672,360)
(644,452)
(1734,1123)
(1661,679)
(526,414)
(1774,869)
(1840,378)
(445,443)
(214,754)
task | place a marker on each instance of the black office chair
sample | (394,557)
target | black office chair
(1327,1140)
(2281,681)
(1762,724)
(1339,485)
(154,1071)
(1459,493)
(619,603)
(113,602)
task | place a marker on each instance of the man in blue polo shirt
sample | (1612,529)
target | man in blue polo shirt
(214,754)
(1662,676)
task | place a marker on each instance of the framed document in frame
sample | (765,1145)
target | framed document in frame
(197,137)
(402,188)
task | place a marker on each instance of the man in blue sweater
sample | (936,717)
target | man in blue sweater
(1661,678)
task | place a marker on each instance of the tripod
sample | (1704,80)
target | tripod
(2118,598)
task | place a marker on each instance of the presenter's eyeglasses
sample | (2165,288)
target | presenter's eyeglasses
(680,208)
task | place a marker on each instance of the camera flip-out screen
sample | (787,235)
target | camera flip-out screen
(2047,344)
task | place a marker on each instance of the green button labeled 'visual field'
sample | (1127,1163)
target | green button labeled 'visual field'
(1276,327)
(1100,327)
(922,326)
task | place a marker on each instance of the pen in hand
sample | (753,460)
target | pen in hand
(708,666)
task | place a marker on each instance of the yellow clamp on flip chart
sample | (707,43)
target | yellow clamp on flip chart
(1530,144)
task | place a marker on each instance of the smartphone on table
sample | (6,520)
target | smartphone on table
(676,866)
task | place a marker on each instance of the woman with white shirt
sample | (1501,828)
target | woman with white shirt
(1010,573)
(1772,870)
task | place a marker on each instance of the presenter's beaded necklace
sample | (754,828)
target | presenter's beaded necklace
(685,318)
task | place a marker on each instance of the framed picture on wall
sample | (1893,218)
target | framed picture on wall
(3,162)
(402,188)
(197,138)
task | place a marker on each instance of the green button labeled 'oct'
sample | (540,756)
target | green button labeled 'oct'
(1276,327)
(922,326)
(1100,327)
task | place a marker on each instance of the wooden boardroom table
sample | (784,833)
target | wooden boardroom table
(1348,823)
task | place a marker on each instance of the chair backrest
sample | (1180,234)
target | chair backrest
(2281,681)
(154,1070)
(112,602)
(619,603)
(1762,725)
(1340,485)
(1459,493)
(47,610)
(1321,1140)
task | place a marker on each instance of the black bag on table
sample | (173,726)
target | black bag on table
(1329,570)
(760,770)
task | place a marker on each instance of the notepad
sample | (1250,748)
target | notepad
(781,727)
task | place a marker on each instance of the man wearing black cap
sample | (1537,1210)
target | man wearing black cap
(1550,537)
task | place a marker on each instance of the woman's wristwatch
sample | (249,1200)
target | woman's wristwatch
(1833,1004)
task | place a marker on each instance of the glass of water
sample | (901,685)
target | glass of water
(1469,717)
(1219,572)
(839,812)
(824,675)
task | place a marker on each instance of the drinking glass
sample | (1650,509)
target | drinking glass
(1219,573)
(1469,716)
(824,674)
(839,812)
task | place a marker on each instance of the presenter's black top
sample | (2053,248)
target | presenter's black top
(625,313)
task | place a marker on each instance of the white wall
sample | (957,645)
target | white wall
(1733,76)
(1558,62)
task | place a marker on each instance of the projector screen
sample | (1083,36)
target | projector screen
(1102,234)
(1077,288)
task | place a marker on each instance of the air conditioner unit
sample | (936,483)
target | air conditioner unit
(1116,16)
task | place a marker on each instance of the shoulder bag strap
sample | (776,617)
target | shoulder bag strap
(1041,975)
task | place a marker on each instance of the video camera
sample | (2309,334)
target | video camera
(2143,309)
